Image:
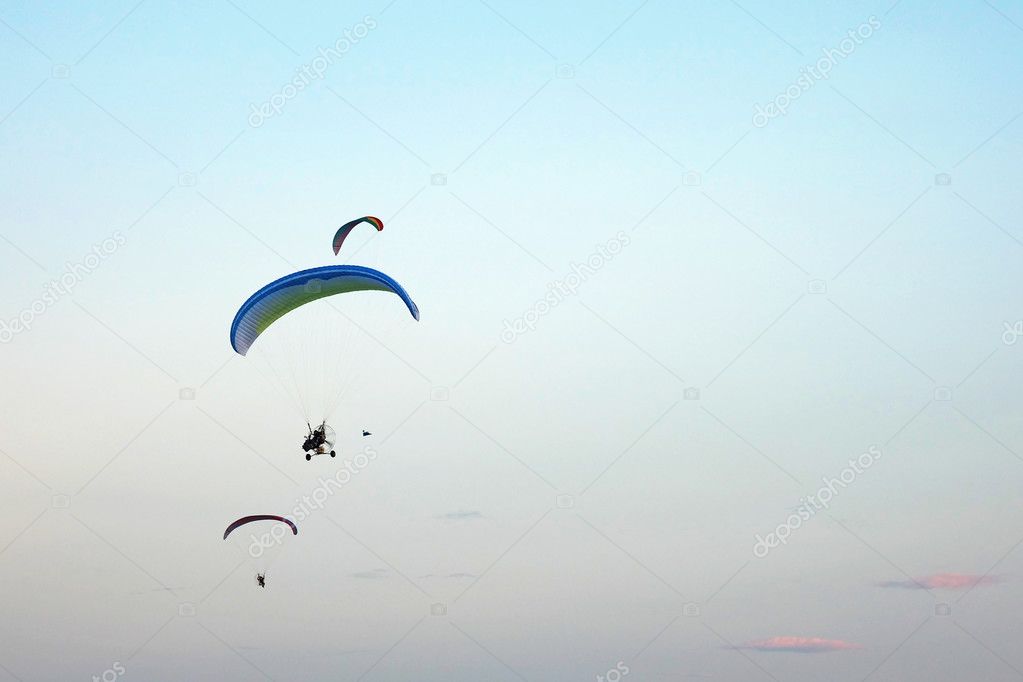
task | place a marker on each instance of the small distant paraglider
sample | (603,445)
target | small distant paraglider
(260,517)
(260,576)
(343,231)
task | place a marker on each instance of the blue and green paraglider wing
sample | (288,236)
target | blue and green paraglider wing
(280,297)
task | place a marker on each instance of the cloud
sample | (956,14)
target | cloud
(375,574)
(943,581)
(461,515)
(452,576)
(801,645)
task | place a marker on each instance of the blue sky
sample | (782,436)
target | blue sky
(784,295)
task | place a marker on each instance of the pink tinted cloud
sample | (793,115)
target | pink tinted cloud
(943,581)
(801,645)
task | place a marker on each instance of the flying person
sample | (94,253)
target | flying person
(316,438)
(278,299)
(260,518)
(318,442)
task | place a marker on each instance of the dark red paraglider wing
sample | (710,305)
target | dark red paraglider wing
(344,230)
(260,517)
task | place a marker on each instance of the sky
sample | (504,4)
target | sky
(717,373)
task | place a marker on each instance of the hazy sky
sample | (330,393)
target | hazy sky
(678,264)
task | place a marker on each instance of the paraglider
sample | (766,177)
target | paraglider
(320,441)
(314,354)
(261,545)
(280,297)
(260,517)
(343,231)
